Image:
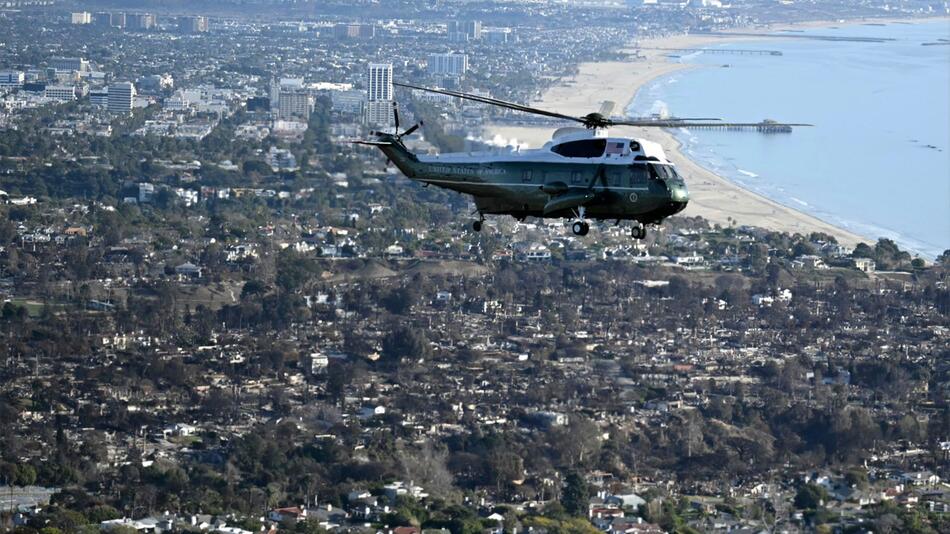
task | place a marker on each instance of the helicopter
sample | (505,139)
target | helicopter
(582,173)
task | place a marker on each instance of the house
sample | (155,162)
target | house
(395,489)
(865,265)
(633,525)
(369,412)
(318,362)
(625,500)
(809,261)
(394,250)
(75,231)
(532,252)
(920,478)
(296,513)
(188,270)
(180,429)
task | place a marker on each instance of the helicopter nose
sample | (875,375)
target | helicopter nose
(679,193)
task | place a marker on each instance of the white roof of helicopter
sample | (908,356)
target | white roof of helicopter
(623,151)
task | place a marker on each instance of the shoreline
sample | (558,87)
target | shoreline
(713,197)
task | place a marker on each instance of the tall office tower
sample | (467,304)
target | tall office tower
(118,20)
(472,28)
(193,24)
(140,21)
(448,64)
(82,17)
(379,82)
(294,104)
(379,94)
(121,97)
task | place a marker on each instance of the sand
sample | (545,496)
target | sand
(711,196)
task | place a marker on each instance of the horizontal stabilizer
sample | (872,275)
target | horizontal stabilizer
(372,143)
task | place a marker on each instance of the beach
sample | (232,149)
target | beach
(712,197)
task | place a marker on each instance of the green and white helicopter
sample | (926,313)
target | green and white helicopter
(581,173)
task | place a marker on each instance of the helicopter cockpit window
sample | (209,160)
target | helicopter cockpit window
(662,172)
(587,148)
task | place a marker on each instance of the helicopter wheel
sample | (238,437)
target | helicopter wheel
(477,226)
(580,228)
(639,231)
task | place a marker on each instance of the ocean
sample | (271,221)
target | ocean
(876,162)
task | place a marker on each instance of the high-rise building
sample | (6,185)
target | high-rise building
(63,93)
(354,31)
(193,24)
(99,98)
(82,17)
(155,83)
(379,82)
(140,21)
(379,94)
(348,101)
(448,64)
(473,28)
(118,20)
(77,64)
(469,30)
(12,78)
(102,19)
(121,97)
(497,35)
(294,104)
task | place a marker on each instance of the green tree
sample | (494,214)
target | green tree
(404,342)
(576,495)
(810,497)
(294,270)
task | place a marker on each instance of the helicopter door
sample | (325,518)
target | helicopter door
(638,176)
(616,176)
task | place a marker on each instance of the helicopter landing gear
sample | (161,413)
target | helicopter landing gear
(580,226)
(639,231)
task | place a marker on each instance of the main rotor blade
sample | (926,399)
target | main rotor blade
(411,129)
(493,102)
(661,123)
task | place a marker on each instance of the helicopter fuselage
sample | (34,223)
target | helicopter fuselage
(579,172)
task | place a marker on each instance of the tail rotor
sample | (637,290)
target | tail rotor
(409,131)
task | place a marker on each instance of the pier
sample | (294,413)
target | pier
(736,51)
(767,126)
(794,35)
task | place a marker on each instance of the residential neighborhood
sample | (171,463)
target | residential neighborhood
(218,314)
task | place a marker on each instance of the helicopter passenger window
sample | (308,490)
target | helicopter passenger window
(586,148)
(634,146)
(577,177)
(638,175)
(527,176)
(615,178)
